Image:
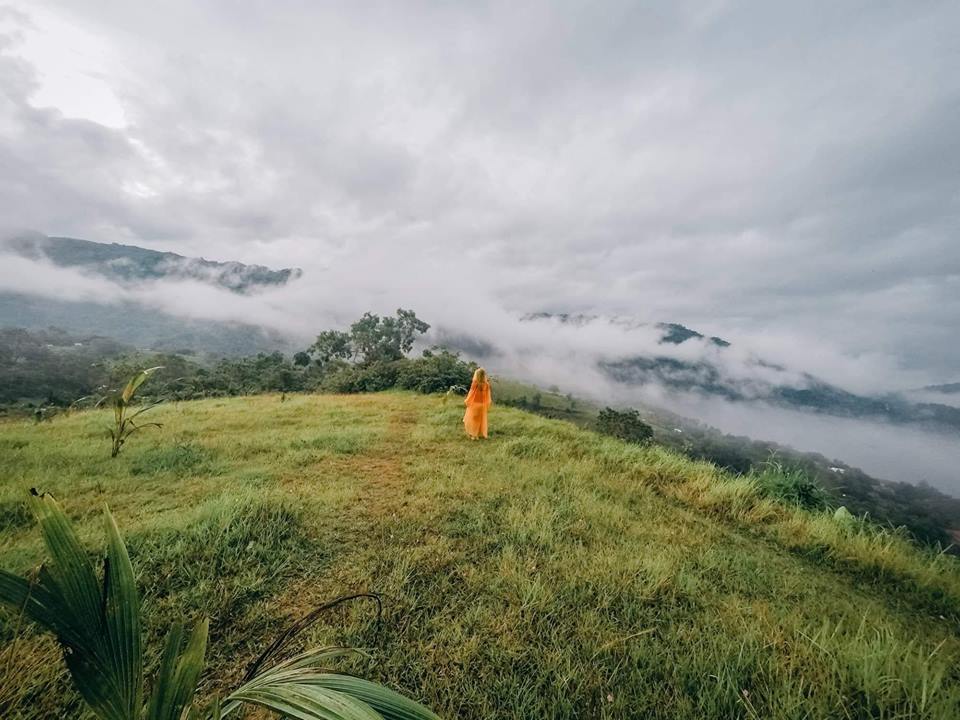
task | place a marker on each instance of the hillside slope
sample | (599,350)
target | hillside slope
(548,572)
(130,263)
(141,325)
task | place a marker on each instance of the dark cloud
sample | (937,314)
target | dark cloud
(782,175)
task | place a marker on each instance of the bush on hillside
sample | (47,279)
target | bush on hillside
(626,425)
(437,371)
(789,485)
(434,372)
(373,377)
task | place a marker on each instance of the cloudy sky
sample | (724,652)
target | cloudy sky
(782,174)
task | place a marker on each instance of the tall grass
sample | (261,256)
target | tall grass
(97,623)
(765,503)
(551,572)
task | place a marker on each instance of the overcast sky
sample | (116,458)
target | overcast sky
(783,174)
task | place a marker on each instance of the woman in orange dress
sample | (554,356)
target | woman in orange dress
(478,402)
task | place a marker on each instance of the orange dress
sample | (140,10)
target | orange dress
(478,402)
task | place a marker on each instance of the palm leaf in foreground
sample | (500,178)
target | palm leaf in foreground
(179,673)
(98,627)
(305,679)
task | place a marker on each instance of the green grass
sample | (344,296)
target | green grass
(548,572)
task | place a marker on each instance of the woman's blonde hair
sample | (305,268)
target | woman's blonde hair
(480,376)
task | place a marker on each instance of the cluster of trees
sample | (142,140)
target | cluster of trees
(52,369)
(372,356)
(371,339)
(624,424)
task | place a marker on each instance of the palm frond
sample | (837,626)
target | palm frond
(179,674)
(303,682)
(277,646)
(136,381)
(389,704)
(304,702)
(122,617)
(97,628)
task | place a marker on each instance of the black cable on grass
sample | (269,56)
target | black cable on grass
(305,622)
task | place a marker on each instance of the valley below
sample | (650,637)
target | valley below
(881,449)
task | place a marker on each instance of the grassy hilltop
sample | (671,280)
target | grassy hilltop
(548,572)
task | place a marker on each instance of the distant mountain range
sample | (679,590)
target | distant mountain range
(138,326)
(709,374)
(129,263)
(797,390)
(947,389)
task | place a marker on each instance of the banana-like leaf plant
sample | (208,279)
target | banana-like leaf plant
(96,621)
(123,422)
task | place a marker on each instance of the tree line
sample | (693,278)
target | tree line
(53,369)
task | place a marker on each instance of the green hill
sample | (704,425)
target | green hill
(548,572)
(138,324)
(130,263)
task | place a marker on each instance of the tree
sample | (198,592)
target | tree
(330,345)
(408,327)
(625,425)
(374,338)
(368,338)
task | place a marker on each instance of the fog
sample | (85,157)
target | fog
(883,450)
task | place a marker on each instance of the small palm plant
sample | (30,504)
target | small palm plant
(97,624)
(124,425)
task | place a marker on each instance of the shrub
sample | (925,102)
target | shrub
(789,485)
(376,376)
(625,425)
(435,372)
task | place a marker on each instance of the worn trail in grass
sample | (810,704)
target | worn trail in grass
(547,572)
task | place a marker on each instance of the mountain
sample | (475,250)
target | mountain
(136,325)
(676,334)
(130,264)
(754,379)
(946,389)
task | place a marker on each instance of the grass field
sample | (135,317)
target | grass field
(545,573)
